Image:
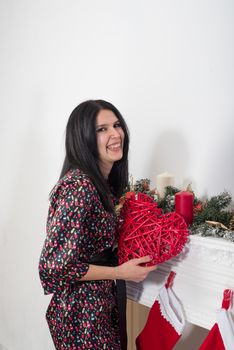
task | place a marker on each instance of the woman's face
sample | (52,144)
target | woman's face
(110,140)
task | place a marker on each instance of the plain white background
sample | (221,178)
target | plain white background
(169,68)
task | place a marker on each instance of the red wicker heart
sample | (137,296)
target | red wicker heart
(144,230)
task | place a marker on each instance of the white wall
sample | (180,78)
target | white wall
(167,65)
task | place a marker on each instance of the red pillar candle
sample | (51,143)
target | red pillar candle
(184,205)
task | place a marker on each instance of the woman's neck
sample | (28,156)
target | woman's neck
(105,169)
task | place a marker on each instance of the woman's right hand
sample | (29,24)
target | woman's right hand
(132,270)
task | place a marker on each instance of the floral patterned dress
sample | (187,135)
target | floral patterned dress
(81,314)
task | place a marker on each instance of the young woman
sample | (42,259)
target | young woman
(77,263)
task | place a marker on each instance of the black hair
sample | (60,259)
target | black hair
(82,152)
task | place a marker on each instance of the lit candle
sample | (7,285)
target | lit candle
(184,205)
(162,181)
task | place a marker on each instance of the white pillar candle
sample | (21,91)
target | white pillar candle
(162,181)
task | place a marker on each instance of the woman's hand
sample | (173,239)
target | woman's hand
(133,271)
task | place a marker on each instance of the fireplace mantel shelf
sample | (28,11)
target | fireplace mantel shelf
(203,271)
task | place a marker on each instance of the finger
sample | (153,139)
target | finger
(151,268)
(143,259)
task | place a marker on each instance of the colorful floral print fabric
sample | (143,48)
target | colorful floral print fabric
(81,314)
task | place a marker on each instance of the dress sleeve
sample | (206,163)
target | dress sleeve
(61,259)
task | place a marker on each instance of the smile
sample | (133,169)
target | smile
(114,146)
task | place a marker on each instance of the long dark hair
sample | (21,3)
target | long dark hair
(82,152)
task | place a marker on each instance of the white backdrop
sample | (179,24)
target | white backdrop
(167,65)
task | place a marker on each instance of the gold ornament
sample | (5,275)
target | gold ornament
(216,224)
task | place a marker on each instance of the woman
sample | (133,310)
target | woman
(77,263)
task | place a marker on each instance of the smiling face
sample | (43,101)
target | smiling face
(110,140)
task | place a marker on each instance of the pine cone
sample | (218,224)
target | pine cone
(231,224)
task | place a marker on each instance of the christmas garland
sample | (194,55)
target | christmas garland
(211,216)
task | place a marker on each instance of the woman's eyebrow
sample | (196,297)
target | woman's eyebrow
(101,125)
(98,125)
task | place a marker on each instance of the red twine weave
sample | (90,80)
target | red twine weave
(144,230)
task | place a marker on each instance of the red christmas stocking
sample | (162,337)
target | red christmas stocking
(165,322)
(221,335)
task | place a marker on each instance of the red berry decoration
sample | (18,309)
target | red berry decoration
(144,230)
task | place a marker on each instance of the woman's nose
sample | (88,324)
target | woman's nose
(114,132)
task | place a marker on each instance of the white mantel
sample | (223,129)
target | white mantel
(203,271)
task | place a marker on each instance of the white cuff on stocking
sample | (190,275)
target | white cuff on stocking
(171,309)
(226,328)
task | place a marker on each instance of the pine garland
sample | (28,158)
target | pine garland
(215,209)
(167,203)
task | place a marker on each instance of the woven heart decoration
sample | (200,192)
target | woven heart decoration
(144,230)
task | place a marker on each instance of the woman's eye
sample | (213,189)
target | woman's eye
(101,129)
(117,125)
